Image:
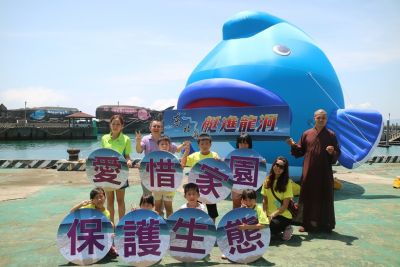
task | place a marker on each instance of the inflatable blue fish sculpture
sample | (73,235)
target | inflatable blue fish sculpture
(264,60)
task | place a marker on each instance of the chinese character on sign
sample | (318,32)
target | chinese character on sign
(187,128)
(129,239)
(242,241)
(229,124)
(148,238)
(189,237)
(247,123)
(107,169)
(177,119)
(161,173)
(207,180)
(210,124)
(88,228)
(245,170)
(268,120)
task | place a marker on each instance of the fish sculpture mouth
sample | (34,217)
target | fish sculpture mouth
(224,92)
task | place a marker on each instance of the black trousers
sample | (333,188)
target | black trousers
(278,224)
(212,210)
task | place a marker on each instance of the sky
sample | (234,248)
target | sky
(84,54)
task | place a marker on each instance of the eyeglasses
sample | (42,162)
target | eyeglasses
(320,118)
(282,167)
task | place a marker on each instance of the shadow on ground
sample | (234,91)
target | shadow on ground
(297,240)
(356,191)
(260,262)
(105,260)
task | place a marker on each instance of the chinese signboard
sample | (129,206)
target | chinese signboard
(160,171)
(192,233)
(263,123)
(85,236)
(248,169)
(214,179)
(107,168)
(242,246)
(142,238)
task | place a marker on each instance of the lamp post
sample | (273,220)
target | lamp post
(25,112)
(388,131)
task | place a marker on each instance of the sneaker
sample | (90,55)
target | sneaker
(287,234)
(112,253)
(302,229)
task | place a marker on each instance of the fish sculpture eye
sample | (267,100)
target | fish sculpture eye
(281,50)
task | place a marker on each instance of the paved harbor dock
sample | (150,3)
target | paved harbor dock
(33,202)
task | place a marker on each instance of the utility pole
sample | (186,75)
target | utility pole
(25,112)
(388,131)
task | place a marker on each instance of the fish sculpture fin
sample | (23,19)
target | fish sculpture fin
(358,132)
(248,23)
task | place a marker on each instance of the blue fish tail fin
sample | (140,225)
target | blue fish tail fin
(358,133)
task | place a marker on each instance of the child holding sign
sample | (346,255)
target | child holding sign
(249,200)
(204,141)
(164,144)
(192,194)
(97,200)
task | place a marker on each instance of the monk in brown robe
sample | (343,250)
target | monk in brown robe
(320,149)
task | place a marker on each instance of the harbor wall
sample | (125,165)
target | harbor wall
(47,133)
(80,165)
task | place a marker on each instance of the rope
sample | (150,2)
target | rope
(54,133)
(337,106)
(132,121)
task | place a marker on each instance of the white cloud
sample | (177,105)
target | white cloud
(34,96)
(133,101)
(365,105)
(363,60)
(161,104)
(152,77)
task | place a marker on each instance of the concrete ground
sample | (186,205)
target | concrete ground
(34,202)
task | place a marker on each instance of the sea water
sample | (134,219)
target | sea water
(57,149)
(52,149)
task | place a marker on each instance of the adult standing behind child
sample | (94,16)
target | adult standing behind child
(277,184)
(204,141)
(121,143)
(320,149)
(149,143)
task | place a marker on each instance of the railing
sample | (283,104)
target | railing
(394,136)
(44,125)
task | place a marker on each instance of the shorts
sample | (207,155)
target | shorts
(212,210)
(235,195)
(167,196)
(145,190)
(125,185)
